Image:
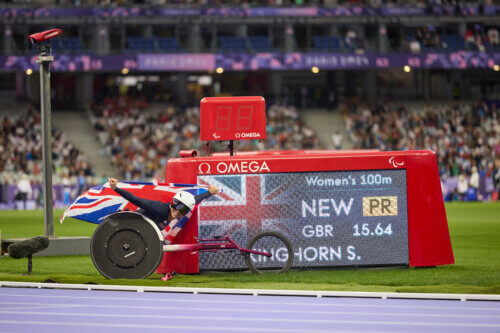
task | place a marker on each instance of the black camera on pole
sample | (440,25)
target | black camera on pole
(27,248)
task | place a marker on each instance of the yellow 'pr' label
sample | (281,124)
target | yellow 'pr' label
(380,206)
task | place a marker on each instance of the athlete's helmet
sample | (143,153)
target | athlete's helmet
(183,202)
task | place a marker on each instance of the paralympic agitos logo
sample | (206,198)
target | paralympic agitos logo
(233,167)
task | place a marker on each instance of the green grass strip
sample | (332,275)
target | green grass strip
(474,231)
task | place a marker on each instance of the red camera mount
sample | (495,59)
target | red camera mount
(41,40)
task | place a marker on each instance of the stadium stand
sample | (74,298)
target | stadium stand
(139,142)
(476,38)
(298,35)
(22,150)
(21,157)
(252,3)
(357,37)
(78,126)
(464,136)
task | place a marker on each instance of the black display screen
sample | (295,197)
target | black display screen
(332,218)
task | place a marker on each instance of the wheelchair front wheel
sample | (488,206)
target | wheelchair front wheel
(277,245)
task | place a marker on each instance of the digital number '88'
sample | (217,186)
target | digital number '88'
(244,118)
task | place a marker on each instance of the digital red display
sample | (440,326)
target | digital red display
(233,118)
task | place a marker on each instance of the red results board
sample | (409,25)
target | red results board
(235,118)
(351,208)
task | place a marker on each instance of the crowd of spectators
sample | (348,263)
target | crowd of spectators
(478,39)
(21,155)
(465,137)
(21,151)
(140,142)
(354,42)
(370,3)
(428,37)
(425,37)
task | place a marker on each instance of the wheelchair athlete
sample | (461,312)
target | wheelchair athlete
(167,216)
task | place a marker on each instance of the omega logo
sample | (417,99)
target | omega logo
(247,135)
(235,167)
(203,168)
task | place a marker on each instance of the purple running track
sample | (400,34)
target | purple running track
(54,310)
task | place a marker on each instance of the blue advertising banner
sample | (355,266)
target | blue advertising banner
(176,62)
(339,11)
(341,218)
(256,61)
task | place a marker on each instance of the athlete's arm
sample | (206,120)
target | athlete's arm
(152,207)
(211,191)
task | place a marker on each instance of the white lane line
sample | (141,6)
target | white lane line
(358,321)
(142,327)
(256,292)
(302,304)
(31,306)
(245,310)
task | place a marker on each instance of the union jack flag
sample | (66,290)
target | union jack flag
(249,204)
(100,201)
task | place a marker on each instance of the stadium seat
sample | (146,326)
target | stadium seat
(56,45)
(66,45)
(453,42)
(167,44)
(140,45)
(260,44)
(325,44)
(232,45)
(488,47)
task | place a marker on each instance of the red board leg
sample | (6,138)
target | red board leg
(429,239)
(182,262)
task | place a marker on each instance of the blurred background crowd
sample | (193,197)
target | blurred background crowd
(443,96)
(465,138)
(139,144)
(371,3)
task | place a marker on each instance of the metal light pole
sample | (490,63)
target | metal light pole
(48,218)
(42,42)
